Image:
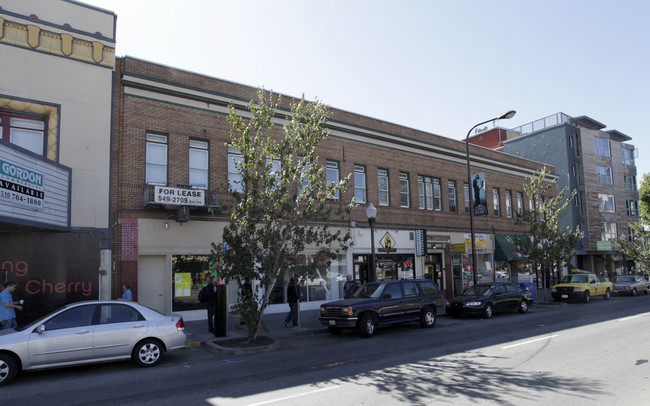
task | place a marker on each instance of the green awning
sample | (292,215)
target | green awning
(505,248)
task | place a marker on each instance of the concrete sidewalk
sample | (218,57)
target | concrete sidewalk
(273,326)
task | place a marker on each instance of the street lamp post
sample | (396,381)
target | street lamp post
(507,115)
(371,212)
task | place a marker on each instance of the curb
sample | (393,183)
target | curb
(218,349)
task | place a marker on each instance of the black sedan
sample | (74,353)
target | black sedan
(485,299)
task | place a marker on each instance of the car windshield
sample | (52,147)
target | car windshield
(479,290)
(628,279)
(575,279)
(369,290)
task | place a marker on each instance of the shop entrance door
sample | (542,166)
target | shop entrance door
(457,271)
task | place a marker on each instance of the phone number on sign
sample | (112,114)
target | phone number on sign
(176,199)
(20,198)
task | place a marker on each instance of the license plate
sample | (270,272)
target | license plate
(565,296)
(332,322)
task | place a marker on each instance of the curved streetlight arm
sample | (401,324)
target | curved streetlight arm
(506,116)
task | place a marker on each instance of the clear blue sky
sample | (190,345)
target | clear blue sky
(440,65)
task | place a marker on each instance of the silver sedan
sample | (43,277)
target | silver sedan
(89,332)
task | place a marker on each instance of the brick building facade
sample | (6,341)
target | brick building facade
(171,131)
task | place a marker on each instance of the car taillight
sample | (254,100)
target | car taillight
(180,324)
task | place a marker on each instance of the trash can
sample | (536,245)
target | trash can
(221,312)
(530,286)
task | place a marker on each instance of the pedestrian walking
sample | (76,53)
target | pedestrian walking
(8,306)
(350,287)
(209,295)
(292,299)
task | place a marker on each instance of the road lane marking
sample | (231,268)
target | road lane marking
(529,342)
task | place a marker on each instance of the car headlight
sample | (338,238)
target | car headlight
(553,289)
(473,304)
(348,311)
(576,289)
(322,311)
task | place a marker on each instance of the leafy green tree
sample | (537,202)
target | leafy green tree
(644,198)
(286,204)
(548,243)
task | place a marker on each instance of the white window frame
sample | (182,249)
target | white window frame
(156,144)
(235,177)
(508,204)
(608,231)
(404,190)
(383,187)
(520,203)
(466,196)
(425,192)
(199,159)
(332,176)
(496,201)
(360,190)
(451,191)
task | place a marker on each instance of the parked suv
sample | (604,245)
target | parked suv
(383,303)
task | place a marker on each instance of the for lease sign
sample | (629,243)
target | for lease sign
(21,185)
(178,196)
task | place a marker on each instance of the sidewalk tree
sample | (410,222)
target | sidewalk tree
(637,247)
(283,204)
(548,243)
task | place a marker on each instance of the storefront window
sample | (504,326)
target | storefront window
(327,284)
(190,273)
(392,267)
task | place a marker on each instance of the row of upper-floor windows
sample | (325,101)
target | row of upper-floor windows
(603,148)
(604,176)
(429,189)
(606,204)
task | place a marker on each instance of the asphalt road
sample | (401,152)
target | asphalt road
(575,354)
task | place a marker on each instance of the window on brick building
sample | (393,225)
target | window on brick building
(383,187)
(542,212)
(437,195)
(199,164)
(508,204)
(235,177)
(275,167)
(466,197)
(404,190)
(156,166)
(332,173)
(25,131)
(531,206)
(360,184)
(520,203)
(496,202)
(425,192)
(451,191)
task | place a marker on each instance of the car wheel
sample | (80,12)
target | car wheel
(8,369)
(334,330)
(633,291)
(487,311)
(428,317)
(608,294)
(368,325)
(586,297)
(147,353)
(523,306)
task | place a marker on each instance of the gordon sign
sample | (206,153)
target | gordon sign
(20,185)
(178,196)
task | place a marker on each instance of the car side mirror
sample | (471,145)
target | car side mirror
(40,328)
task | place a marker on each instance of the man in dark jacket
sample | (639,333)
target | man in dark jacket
(211,300)
(349,288)
(292,299)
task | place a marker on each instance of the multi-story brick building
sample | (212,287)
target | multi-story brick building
(598,164)
(171,135)
(55,136)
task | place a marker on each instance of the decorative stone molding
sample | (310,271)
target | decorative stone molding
(33,37)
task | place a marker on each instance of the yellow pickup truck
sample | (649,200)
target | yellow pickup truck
(581,286)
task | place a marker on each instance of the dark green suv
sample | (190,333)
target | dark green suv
(378,304)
